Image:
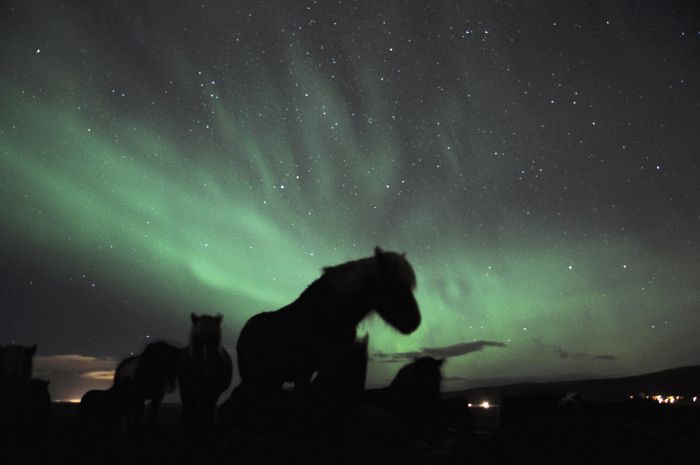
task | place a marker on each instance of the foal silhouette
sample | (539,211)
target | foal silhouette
(147,376)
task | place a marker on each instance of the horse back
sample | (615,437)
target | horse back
(289,342)
(126,370)
(157,369)
(267,340)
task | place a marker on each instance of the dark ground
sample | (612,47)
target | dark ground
(373,436)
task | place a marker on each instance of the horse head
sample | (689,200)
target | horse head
(16,363)
(394,300)
(205,336)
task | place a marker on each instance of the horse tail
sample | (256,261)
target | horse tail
(227,370)
(242,349)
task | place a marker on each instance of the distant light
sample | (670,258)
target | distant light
(485,404)
(695,398)
(662,399)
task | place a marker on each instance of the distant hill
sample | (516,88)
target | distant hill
(684,381)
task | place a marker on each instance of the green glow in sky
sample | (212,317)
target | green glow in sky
(231,231)
(238,212)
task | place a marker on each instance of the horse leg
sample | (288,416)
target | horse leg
(136,414)
(207,415)
(233,412)
(302,397)
(187,413)
(155,408)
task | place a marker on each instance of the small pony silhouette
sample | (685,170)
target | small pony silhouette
(314,331)
(413,395)
(15,380)
(136,379)
(156,374)
(147,376)
(205,372)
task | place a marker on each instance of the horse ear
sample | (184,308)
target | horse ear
(378,251)
(194,318)
(218,318)
(365,339)
(440,361)
(32,350)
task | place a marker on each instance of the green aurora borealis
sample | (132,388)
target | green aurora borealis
(223,180)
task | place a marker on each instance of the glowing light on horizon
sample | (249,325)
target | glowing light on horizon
(484,404)
(672,399)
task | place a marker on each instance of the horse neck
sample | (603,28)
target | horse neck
(351,304)
(218,352)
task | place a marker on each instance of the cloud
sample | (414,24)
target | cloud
(73,374)
(565,354)
(394,357)
(99,375)
(573,355)
(463,348)
(454,350)
(72,364)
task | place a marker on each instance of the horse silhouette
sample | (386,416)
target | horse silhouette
(15,381)
(413,395)
(314,331)
(335,390)
(205,372)
(147,376)
(39,401)
(156,374)
(109,409)
(123,401)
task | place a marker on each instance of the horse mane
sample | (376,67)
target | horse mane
(349,278)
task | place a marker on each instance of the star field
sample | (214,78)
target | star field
(538,164)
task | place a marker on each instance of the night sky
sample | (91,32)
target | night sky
(539,163)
